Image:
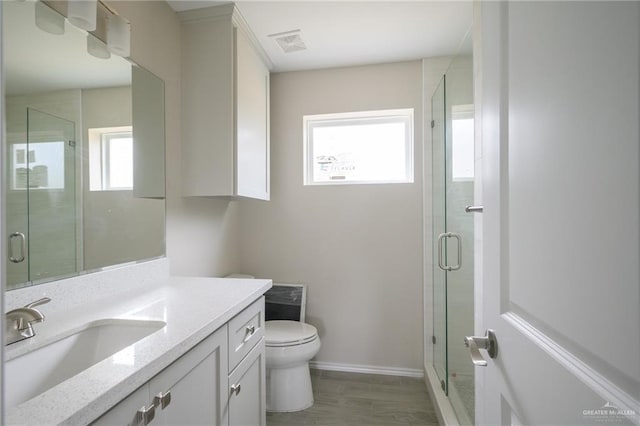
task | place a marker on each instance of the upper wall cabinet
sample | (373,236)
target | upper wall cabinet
(225,106)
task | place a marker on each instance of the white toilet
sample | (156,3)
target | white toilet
(290,345)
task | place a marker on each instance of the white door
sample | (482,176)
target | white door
(559,84)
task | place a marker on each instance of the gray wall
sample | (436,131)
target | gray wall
(357,247)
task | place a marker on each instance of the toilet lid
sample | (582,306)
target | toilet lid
(288,333)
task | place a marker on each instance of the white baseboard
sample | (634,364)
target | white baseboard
(367,369)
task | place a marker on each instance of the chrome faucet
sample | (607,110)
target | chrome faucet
(19,321)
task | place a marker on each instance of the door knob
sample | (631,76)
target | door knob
(475,343)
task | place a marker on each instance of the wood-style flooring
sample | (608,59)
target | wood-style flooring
(350,399)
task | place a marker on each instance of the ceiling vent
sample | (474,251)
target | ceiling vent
(289,41)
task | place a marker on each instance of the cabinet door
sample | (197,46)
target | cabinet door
(252,109)
(125,412)
(194,387)
(247,393)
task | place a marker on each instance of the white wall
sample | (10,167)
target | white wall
(357,247)
(201,233)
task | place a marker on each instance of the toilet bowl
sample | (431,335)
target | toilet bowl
(290,345)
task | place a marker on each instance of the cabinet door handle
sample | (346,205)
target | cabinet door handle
(162,400)
(235,389)
(249,331)
(145,415)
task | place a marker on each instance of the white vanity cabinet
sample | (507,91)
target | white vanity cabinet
(247,384)
(191,391)
(247,370)
(125,413)
(220,381)
(225,106)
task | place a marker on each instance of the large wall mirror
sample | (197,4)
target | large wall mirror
(84,149)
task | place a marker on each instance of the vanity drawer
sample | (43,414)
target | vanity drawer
(245,330)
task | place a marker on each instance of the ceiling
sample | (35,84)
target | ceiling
(347,33)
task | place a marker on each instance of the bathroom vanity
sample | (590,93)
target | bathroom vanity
(200,361)
(128,344)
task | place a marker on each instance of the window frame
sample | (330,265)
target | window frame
(105,145)
(98,140)
(400,115)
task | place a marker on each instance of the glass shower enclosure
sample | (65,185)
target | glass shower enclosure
(453,230)
(41,196)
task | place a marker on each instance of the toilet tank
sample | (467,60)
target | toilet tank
(285,302)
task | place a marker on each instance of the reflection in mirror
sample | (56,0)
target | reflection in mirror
(84,149)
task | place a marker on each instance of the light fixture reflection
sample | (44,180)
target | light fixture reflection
(119,35)
(97,48)
(48,19)
(83,13)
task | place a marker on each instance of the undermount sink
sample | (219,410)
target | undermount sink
(37,371)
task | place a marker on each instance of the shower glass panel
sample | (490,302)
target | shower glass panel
(439,338)
(42,190)
(453,190)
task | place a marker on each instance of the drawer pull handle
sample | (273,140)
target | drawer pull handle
(235,389)
(249,331)
(145,415)
(162,400)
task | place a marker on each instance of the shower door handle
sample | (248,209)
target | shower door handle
(475,343)
(474,209)
(20,237)
(441,264)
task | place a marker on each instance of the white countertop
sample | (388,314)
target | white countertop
(192,308)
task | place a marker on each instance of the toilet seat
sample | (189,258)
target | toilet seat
(280,333)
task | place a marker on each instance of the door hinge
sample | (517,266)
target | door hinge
(72,144)
(433,124)
(433,339)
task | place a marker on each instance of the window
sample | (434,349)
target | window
(462,151)
(111,159)
(358,147)
(117,160)
(38,165)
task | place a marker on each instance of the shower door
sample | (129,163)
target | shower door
(453,191)
(41,197)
